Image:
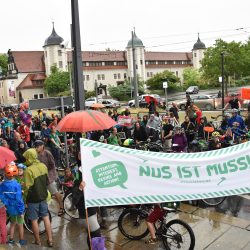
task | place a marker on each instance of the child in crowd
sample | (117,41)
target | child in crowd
(3,230)
(11,193)
(68,178)
(20,177)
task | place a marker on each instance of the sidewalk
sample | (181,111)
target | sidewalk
(212,230)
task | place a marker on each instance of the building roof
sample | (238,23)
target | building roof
(137,42)
(102,56)
(32,81)
(53,39)
(167,56)
(29,61)
(199,44)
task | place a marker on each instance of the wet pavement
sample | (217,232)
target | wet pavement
(225,227)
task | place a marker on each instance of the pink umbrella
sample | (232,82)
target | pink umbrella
(6,156)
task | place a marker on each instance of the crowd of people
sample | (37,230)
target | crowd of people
(38,145)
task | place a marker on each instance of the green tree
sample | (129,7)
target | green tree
(57,82)
(155,82)
(123,92)
(3,65)
(234,61)
(191,76)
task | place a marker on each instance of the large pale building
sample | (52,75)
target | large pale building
(27,70)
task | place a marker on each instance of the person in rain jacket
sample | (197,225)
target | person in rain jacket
(11,196)
(35,193)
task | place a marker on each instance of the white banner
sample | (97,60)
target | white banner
(117,176)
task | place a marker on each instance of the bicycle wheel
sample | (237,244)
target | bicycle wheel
(132,224)
(213,202)
(28,225)
(69,208)
(177,234)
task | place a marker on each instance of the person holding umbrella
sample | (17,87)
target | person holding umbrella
(151,106)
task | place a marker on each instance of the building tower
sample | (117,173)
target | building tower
(54,52)
(139,58)
(198,53)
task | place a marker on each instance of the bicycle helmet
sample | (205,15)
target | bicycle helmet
(21,165)
(11,170)
(227,115)
(234,110)
(215,134)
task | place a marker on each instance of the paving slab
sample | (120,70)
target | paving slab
(233,239)
(223,218)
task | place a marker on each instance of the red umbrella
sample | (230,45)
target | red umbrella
(84,121)
(6,156)
(148,98)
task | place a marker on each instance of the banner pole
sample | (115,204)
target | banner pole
(87,221)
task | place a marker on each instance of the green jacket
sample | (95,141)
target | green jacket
(35,178)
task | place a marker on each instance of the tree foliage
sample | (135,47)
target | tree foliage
(3,65)
(124,91)
(155,82)
(191,76)
(57,82)
(236,61)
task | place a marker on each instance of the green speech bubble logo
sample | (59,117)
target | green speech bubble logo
(95,153)
(110,174)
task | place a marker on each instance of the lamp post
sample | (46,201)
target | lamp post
(165,86)
(134,72)
(96,90)
(222,83)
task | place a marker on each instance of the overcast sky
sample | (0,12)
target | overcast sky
(162,25)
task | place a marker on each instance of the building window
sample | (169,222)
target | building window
(151,63)
(87,77)
(170,62)
(150,74)
(60,64)
(38,96)
(59,52)
(109,63)
(141,62)
(99,77)
(121,63)
(115,76)
(119,76)
(95,64)
(178,62)
(84,64)
(103,77)
(161,62)
(195,55)
(125,75)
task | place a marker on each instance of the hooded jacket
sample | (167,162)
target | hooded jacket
(11,196)
(35,178)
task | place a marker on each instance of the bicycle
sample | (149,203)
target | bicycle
(174,233)
(69,207)
(213,202)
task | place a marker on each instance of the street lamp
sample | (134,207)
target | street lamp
(165,86)
(222,79)
(222,82)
